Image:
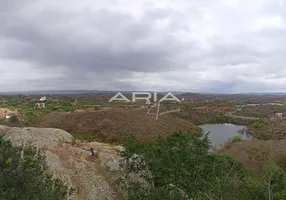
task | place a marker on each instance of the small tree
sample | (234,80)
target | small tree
(270,184)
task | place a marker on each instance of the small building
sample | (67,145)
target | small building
(276,104)
(43,98)
(279,115)
(253,104)
(40,105)
(239,106)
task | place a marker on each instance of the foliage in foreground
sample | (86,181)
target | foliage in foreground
(180,167)
(23,175)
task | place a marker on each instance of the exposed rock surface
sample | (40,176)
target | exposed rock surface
(88,171)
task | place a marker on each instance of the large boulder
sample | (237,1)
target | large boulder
(41,137)
(90,168)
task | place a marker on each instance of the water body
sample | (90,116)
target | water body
(219,134)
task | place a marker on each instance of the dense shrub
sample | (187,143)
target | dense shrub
(23,175)
(181,167)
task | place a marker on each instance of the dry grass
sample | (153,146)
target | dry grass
(115,124)
(275,129)
(255,153)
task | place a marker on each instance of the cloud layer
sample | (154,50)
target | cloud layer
(210,46)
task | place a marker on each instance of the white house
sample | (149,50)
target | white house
(43,98)
(40,105)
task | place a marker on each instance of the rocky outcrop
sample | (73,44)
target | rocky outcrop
(90,168)
(45,137)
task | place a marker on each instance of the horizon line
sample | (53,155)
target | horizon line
(51,91)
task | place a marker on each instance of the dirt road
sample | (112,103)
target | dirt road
(231,114)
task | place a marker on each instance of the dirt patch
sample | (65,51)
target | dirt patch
(116,124)
(232,114)
(4,111)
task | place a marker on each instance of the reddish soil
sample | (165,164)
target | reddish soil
(115,124)
(4,111)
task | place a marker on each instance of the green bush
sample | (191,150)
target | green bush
(30,112)
(237,138)
(24,176)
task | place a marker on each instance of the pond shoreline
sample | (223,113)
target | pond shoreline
(220,134)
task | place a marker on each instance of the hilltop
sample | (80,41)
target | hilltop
(116,124)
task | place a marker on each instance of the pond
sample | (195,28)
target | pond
(219,134)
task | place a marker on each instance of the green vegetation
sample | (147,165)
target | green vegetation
(271,184)
(237,138)
(260,123)
(180,167)
(89,137)
(23,175)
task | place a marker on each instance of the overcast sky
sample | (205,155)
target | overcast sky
(225,46)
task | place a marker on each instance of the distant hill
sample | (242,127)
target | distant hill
(54,92)
(77,92)
(43,92)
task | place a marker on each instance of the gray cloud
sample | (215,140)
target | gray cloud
(116,41)
(225,46)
